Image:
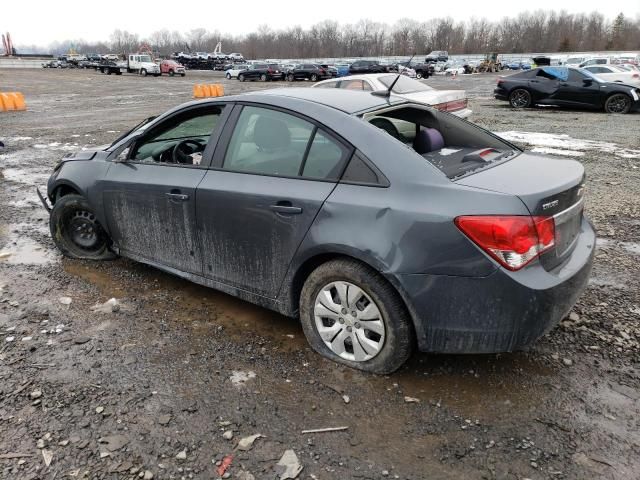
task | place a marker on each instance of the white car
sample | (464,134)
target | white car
(596,61)
(235,70)
(408,71)
(455,70)
(236,57)
(611,73)
(452,101)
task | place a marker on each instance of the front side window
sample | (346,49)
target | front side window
(270,142)
(181,141)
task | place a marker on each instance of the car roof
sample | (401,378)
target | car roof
(344,100)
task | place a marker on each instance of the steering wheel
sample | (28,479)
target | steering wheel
(183,150)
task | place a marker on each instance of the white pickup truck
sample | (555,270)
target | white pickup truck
(140,63)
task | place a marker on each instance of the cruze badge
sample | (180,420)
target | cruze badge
(548,205)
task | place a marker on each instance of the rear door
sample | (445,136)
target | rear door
(270,178)
(149,193)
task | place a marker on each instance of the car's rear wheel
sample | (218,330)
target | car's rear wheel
(618,103)
(351,315)
(314,77)
(520,98)
(290,77)
(241,77)
(263,77)
(76,231)
(418,75)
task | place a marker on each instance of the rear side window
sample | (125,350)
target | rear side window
(359,171)
(270,142)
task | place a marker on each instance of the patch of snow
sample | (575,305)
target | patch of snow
(566,143)
(18,139)
(557,151)
(239,377)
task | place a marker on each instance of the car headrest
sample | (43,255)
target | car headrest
(428,140)
(271,134)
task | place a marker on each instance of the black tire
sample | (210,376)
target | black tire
(171,73)
(418,75)
(290,77)
(143,72)
(399,336)
(618,103)
(314,77)
(263,77)
(228,76)
(520,98)
(241,77)
(70,213)
(182,74)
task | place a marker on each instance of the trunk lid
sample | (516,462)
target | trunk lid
(548,187)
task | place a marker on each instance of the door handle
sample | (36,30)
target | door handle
(286,208)
(179,197)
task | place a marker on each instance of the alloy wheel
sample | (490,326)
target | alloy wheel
(618,104)
(520,98)
(349,321)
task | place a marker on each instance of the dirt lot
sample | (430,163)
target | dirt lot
(158,387)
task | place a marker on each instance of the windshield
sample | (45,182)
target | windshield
(145,58)
(141,124)
(404,84)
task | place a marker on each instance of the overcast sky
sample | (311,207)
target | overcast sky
(41,22)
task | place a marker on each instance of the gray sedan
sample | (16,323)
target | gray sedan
(384,225)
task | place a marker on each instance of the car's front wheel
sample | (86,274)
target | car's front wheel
(314,77)
(263,77)
(241,77)
(228,76)
(76,231)
(418,75)
(618,103)
(520,98)
(290,77)
(171,73)
(143,72)
(351,315)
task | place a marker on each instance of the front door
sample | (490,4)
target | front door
(254,210)
(149,198)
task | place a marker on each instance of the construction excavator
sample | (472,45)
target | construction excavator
(490,64)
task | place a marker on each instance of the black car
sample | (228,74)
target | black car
(262,71)
(333,71)
(566,87)
(308,71)
(423,70)
(368,66)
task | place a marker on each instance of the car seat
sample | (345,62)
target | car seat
(428,140)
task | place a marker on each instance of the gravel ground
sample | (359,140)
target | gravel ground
(167,385)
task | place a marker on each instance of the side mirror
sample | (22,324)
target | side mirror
(587,82)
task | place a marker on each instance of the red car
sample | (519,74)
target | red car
(172,67)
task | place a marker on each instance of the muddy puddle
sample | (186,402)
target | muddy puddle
(16,248)
(202,308)
(630,247)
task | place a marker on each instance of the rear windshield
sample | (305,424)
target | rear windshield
(456,147)
(404,84)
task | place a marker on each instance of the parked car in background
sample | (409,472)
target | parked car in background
(406,71)
(382,224)
(629,67)
(111,57)
(367,66)
(518,65)
(171,68)
(452,101)
(202,55)
(261,71)
(596,61)
(342,68)
(613,73)
(437,56)
(423,70)
(566,87)
(575,61)
(632,59)
(54,64)
(307,71)
(457,68)
(235,70)
(236,57)
(333,71)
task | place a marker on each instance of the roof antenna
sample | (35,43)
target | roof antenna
(387,93)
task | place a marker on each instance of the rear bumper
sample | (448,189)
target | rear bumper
(501,94)
(502,312)
(464,113)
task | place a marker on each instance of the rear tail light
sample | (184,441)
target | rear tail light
(635,75)
(452,106)
(513,241)
(500,81)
